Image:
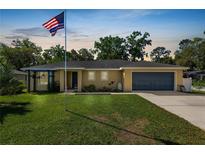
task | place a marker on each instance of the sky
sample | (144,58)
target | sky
(166,27)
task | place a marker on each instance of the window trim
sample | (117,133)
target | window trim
(94,76)
(101,76)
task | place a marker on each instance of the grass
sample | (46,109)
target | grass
(91,119)
(198,92)
(198,83)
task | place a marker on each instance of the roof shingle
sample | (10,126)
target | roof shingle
(108,64)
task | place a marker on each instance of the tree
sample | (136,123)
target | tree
(57,54)
(161,55)
(81,55)
(74,55)
(136,44)
(54,54)
(111,47)
(191,53)
(21,54)
(85,54)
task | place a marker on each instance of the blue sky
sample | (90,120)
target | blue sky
(166,27)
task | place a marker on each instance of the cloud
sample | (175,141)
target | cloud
(14,37)
(40,32)
(127,13)
(34,31)
(76,33)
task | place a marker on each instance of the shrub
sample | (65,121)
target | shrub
(89,88)
(8,84)
(105,89)
(56,86)
(198,83)
(13,87)
(117,90)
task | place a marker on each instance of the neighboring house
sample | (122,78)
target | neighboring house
(195,74)
(21,76)
(142,75)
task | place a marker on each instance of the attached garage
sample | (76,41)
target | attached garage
(153,81)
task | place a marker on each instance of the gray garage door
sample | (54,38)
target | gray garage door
(152,81)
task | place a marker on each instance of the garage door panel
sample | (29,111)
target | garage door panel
(153,81)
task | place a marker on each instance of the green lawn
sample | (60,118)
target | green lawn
(91,119)
(198,92)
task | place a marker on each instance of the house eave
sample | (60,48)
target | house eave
(96,69)
(155,68)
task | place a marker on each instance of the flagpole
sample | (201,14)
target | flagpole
(65,73)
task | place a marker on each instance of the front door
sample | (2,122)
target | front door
(74,80)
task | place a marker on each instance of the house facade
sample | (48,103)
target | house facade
(112,74)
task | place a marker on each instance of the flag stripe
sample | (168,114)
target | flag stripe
(54,24)
(56,28)
(47,25)
(48,22)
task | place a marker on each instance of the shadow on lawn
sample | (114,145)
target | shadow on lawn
(16,108)
(122,129)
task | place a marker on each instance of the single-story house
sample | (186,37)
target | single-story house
(142,75)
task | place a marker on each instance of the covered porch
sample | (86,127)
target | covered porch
(54,80)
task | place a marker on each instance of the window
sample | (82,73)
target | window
(104,75)
(43,78)
(91,75)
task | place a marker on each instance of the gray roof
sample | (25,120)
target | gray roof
(19,72)
(97,64)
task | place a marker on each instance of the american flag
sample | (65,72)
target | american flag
(54,24)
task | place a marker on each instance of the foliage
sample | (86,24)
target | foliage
(8,84)
(136,44)
(85,54)
(21,54)
(198,83)
(54,54)
(105,89)
(56,86)
(24,53)
(89,88)
(191,53)
(131,48)
(82,54)
(111,47)
(57,54)
(73,55)
(161,55)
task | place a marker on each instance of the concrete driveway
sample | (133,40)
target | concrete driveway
(188,106)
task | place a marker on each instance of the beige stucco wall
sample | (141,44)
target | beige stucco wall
(57,75)
(179,78)
(124,76)
(69,79)
(113,75)
(61,80)
(127,76)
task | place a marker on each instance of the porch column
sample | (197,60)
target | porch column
(62,84)
(29,81)
(79,81)
(127,81)
(34,82)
